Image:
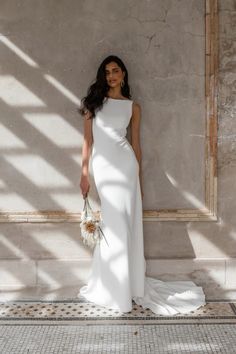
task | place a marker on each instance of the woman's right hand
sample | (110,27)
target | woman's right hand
(84,185)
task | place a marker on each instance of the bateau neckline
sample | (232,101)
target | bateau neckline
(117,99)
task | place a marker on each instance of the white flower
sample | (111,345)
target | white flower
(91,231)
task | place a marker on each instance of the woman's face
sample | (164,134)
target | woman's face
(114,74)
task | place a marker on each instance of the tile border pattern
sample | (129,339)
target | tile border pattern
(215,311)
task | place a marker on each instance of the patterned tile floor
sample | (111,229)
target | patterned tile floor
(82,310)
(76,326)
(123,339)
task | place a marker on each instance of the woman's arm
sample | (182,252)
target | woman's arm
(86,151)
(135,138)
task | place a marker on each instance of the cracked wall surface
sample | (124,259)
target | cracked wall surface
(163,49)
(50,53)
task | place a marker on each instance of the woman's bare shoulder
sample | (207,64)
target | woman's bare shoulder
(87,114)
(136,106)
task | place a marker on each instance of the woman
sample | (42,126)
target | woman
(118,269)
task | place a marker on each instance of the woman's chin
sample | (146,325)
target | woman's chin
(114,86)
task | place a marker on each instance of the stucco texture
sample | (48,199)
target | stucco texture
(50,53)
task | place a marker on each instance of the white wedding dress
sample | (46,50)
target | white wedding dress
(118,268)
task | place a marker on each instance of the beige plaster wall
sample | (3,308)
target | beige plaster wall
(50,51)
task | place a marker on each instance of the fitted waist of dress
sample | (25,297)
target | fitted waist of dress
(106,136)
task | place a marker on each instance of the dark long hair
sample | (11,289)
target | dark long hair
(98,90)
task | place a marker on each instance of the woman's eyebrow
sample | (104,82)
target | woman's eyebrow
(112,69)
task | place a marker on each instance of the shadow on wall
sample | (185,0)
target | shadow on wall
(40,166)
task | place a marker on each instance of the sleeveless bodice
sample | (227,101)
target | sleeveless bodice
(111,122)
(109,133)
